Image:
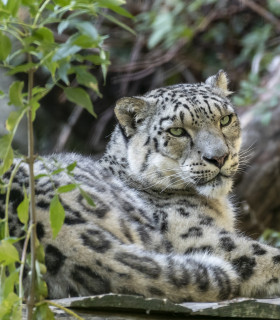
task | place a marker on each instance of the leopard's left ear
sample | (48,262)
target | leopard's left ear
(219,81)
(130,112)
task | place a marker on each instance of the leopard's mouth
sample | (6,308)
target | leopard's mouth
(217,179)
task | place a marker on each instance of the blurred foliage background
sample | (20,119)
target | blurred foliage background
(181,41)
(175,41)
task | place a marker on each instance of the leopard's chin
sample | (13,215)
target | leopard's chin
(219,186)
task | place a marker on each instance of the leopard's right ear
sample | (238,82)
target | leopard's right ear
(130,112)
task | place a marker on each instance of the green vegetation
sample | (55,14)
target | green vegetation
(28,45)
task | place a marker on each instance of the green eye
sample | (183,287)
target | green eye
(225,121)
(177,132)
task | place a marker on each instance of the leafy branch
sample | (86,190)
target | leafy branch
(27,34)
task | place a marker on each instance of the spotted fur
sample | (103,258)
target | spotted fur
(162,225)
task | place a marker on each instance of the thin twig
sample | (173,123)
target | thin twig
(32,213)
(23,258)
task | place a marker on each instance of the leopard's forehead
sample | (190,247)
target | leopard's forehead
(198,102)
(181,90)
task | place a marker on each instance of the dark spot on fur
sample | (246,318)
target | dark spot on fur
(223,283)
(145,265)
(178,275)
(91,281)
(16,197)
(206,221)
(244,266)
(258,250)
(40,230)
(192,232)
(227,244)
(223,232)
(95,240)
(201,249)
(147,141)
(54,259)
(273,280)
(202,278)
(72,292)
(156,144)
(164,222)
(144,235)
(74,220)
(183,212)
(43,204)
(276,259)
(127,206)
(155,292)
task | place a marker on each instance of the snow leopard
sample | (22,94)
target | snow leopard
(163,222)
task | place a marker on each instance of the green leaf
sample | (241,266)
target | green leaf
(62,3)
(80,97)
(40,253)
(13,6)
(6,152)
(9,283)
(122,25)
(64,24)
(12,120)
(63,71)
(57,171)
(85,78)
(84,41)
(87,28)
(44,34)
(162,25)
(105,58)
(94,58)
(23,209)
(114,6)
(43,312)
(15,93)
(67,188)
(2,94)
(8,253)
(41,290)
(71,166)
(87,197)
(32,5)
(9,307)
(22,68)
(5,46)
(57,215)
(40,176)
(65,50)
(35,105)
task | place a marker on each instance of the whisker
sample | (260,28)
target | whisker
(171,184)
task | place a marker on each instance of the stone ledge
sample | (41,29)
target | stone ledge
(136,307)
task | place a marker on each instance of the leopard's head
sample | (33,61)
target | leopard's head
(182,137)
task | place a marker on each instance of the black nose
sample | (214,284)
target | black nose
(217,161)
